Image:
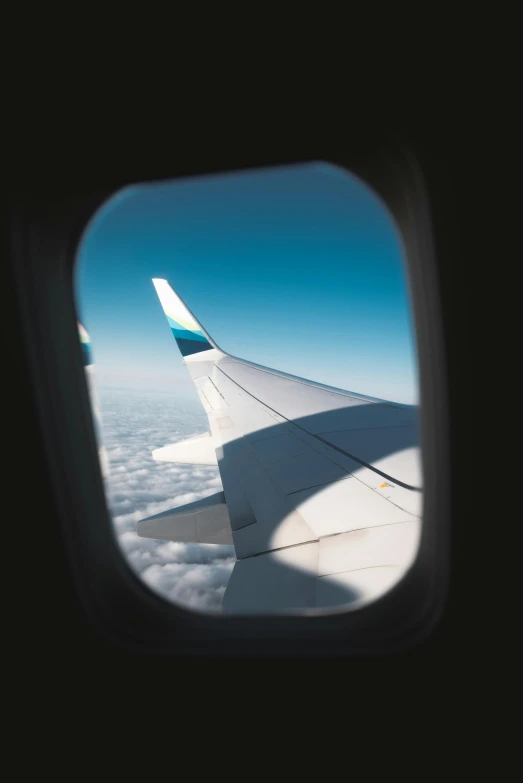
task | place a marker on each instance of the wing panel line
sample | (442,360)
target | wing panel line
(323,440)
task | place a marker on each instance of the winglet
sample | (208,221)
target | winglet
(87,355)
(188,333)
(85,342)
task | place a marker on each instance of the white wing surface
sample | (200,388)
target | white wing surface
(322,486)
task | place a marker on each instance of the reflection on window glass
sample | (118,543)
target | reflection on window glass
(257,388)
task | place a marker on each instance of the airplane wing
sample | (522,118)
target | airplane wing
(321,487)
(88,363)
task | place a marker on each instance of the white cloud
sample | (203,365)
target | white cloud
(133,424)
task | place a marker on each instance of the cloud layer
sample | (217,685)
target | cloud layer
(133,424)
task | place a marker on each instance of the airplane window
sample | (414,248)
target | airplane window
(251,356)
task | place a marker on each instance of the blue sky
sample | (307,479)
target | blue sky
(298,268)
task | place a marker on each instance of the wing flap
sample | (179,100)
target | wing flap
(205,521)
(199,450)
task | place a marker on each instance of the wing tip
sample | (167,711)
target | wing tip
(188,332)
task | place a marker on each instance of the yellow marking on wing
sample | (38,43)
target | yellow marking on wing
(190,325)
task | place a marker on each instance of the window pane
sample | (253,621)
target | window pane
(256,380)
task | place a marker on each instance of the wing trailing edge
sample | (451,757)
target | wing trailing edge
(199,450)
(205,521)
